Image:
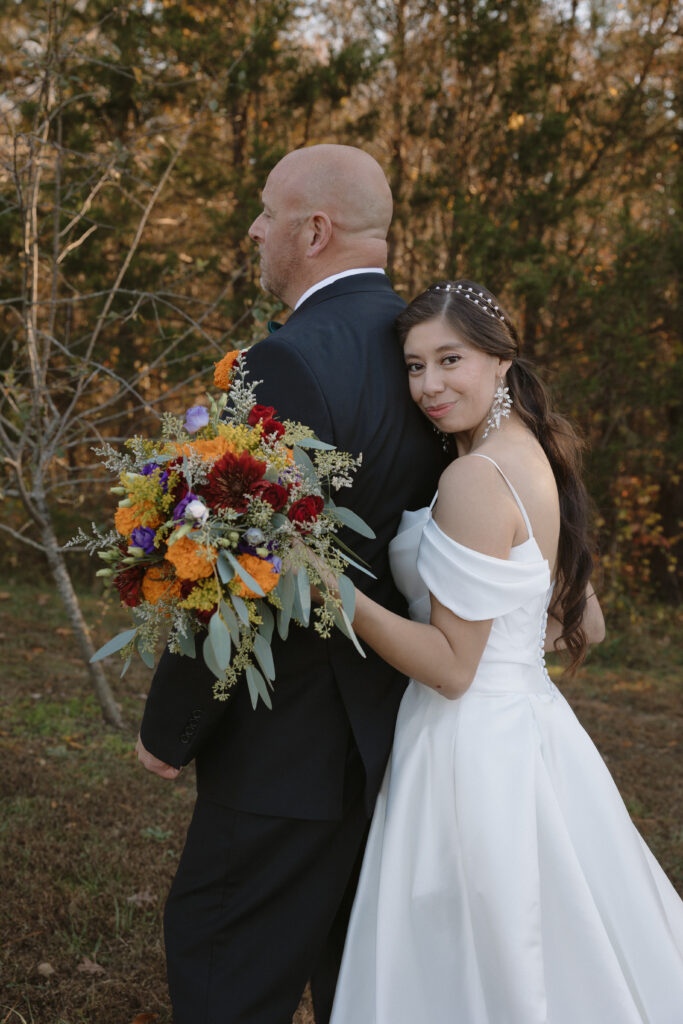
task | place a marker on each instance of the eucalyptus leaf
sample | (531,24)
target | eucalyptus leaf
(303,462)
(354,522)
(126,665)
(147,656)
(351,561)
(268,624)
(187,644)
(245,576)
(219,636)
(115,644)
(303,585)
(210,659)
(342,621)
(264,656)
(253,688)
(180,532)
(347,592)
(225,569)
(282,624)
(315,442)
(286,589)
(279,520)
(241,608)
(255,678)
(231,622)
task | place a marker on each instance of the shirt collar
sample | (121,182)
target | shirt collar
(335,277)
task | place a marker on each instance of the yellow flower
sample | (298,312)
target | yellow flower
(190,560)
(204,596)
(262,571)
(221,375)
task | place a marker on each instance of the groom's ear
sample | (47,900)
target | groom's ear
(320,233)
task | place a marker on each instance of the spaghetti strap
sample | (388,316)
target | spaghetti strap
(520,505)
(433,502)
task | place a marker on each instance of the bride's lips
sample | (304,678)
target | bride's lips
(437,411)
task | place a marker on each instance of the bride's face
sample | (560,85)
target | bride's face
(452,381)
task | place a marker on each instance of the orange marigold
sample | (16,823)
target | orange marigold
(210,449)
(221,375)
(189,559)
(159,582)
(142,514)
(265,574)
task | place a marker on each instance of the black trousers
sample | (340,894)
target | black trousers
(259,906)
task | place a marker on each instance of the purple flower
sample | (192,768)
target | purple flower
(275,562)
(143,537)
(196,418)
(179,510)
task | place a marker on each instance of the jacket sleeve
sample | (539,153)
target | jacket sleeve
(181,710)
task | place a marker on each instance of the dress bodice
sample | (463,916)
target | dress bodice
(513,592)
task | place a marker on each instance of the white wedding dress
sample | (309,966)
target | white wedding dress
(503,881)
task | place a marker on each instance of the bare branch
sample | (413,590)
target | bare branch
(74,245)
(22,538)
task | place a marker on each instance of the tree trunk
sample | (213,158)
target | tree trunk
(60,573)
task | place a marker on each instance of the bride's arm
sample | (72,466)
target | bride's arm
(593,624)
(445,653)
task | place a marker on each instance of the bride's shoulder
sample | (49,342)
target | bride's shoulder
(473,508)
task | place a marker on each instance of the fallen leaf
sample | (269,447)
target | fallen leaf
(45,969)
(63,631)
(145,1018)
(145,896)
(89,966)
(4,595)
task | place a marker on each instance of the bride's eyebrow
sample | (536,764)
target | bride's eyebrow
(442,348)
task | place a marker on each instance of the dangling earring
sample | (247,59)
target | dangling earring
(500,408)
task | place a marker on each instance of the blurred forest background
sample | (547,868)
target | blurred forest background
(534,145)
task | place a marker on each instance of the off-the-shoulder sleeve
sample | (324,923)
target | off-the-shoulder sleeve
(473,585)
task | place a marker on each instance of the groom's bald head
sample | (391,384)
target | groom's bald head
(326,209)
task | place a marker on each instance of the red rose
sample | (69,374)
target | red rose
(274,494)
(260,412)
(306,510)
(272,426)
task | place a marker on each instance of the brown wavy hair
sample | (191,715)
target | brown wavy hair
(486,325)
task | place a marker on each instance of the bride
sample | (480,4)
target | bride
(503,881)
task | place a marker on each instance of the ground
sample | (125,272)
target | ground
(89,841)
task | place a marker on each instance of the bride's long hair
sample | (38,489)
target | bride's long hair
(479,318)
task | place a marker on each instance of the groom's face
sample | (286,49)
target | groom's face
(278,232)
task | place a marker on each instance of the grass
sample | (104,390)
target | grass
(89,842)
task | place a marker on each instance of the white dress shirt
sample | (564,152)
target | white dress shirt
(335,277)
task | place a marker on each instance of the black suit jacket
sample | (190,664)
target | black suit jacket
(336,366)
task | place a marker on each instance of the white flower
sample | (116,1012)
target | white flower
(198,511)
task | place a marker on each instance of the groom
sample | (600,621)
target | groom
(261,899)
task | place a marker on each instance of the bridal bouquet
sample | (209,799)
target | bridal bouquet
(223,524)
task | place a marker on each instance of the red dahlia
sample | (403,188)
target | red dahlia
(231,479)
(128,582)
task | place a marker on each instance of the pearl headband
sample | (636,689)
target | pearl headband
(486,305)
